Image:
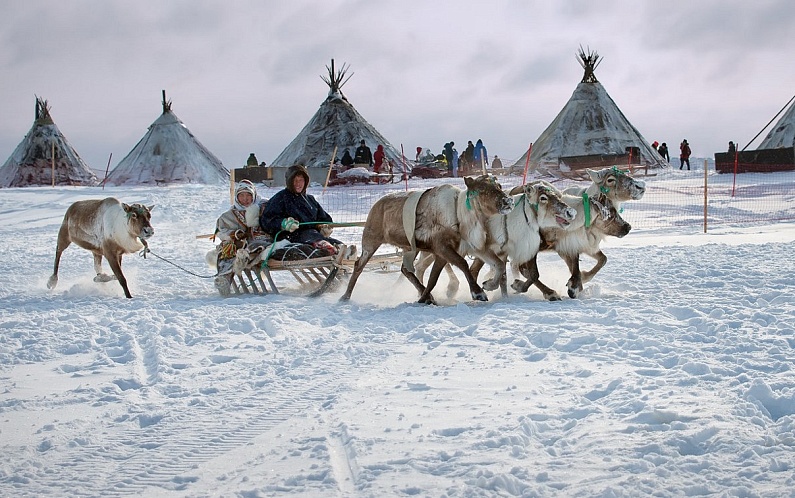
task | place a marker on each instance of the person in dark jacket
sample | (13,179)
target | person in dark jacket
(347,160)
(684,154)
(663,151)
(293,214)
(363,155)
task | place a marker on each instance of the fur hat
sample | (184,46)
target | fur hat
(245,186)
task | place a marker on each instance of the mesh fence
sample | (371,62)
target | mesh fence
(674,199)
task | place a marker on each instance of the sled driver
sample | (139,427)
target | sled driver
(294,215)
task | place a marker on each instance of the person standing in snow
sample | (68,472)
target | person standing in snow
(455,163)
(684,154)
(294,215)
(378,158)
(363,156)
(496,163)
(480,156)
(447,152)
(663,151)
(467,159)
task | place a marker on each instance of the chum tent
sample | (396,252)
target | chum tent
(782,135)
(589,125)
(168,153)
(45,157)
(335,124)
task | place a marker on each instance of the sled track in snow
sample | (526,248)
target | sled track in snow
(166,456)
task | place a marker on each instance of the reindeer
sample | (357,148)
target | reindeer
(444,220)
(107,228)
(597,218)
(516,236)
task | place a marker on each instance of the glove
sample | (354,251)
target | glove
(290,224)
(325,230)
(239,235)
(325,246)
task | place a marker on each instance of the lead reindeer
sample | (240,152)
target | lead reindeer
(445,221)
(597,217)
(108,228)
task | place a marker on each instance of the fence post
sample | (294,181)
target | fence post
(705,196)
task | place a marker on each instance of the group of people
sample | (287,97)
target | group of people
(474,158)
(684,152)
(253,223)
(365,158)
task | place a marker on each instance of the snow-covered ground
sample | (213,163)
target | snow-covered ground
(672,375)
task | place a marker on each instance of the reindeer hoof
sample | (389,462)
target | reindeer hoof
(427,300)
(480,296)
(490,285)
(52,282)
(518,286)
(102,277)
(553,297)
(574,292)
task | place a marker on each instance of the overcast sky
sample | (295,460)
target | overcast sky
(244,76)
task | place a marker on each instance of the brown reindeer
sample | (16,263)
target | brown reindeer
(444,220)
(107,228)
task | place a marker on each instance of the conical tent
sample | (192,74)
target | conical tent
(783,133)
(335,124)
(45,157)
(168,153)
(589,124)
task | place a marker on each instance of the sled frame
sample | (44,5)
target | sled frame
(315,276)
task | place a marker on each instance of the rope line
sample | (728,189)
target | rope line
(146,251)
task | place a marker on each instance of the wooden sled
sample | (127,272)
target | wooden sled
(315,276)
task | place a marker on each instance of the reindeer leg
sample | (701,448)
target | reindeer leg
(601,260)
(438,264)
(411,277)
(63,243)
(530,272)
(574,284)
(453,283)
(367,253)
(451,255)
(114,260)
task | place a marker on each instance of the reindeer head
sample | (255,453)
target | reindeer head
(616,185)
(138,220)
(485,194)
(547,202)
(609,220)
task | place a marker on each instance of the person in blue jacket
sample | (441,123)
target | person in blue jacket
(297,216)
(480,156)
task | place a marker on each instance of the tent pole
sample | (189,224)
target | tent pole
(331,161)
(232,187)
(106,171)
(526,164)
(768,123)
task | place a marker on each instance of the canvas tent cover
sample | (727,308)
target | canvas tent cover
(168,153)
(589,124)
(32,162)
(335,124)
